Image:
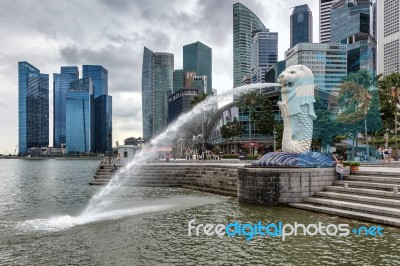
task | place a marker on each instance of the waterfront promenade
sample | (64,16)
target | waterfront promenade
(369,194)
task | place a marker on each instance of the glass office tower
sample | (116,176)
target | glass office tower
(103,107)
(328,62)
(99,76)
(79,116)
(157,85)
(103,124)
(301,25)
(197,57)
(33,108)
(61,86)
(354,23)
(264,54)
(244,23)
(179,78)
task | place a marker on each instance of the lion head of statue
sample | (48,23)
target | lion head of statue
(297,89)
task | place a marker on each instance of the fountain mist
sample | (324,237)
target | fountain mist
(97,208)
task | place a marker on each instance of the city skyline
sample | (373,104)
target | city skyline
(116,42)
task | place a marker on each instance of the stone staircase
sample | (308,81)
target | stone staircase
(219,179)
(369,194)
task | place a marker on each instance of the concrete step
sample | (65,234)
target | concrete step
(366,184)
(364,191)
(359,198)
(377,179)
(369,217)
(374,172)
(361,207)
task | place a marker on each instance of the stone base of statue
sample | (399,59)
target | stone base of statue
(285,159)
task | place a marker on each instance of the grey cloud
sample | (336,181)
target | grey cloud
(121,62)
(3,104)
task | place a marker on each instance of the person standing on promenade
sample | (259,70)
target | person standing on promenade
(380,153)
(339,168)
(385,154)
(389,154)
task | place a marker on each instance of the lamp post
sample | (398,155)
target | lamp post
(275,133)
(181,145)
(366,135)
(396,102)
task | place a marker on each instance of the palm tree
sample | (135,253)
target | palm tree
(355,99)
(389,89)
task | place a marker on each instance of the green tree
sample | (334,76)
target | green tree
(232,129)
(325,126)
(389,89)
(198,99)
(357,104)
(260,110)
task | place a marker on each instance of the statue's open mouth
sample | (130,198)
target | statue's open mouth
(286,84)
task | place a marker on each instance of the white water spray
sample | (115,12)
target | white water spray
(97,208)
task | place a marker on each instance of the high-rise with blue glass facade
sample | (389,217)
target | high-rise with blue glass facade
(157,84)
(99,76)
(354,23)
(80,118)
(197,57)
(245,22)
(33,108)
(264,54)
(301,25)
(61,85)
(103,107)
(179,80)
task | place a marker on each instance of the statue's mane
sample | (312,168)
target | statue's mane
(303,92)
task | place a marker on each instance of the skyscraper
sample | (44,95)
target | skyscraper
(103,107)
(197,57)
(301,25)
(264,53)
(328,62)
(99,76)
(325,20)
(389,36)
(244,23)
(179,76)
(79,116)
(33,108)
(61,86)
(157,84)
(354,23)
(103,124)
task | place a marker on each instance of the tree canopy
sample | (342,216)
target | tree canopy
(260,110)
(232,129)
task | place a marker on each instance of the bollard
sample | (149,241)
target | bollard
(396,190)
(346,185)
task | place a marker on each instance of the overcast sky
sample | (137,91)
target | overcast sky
(50,34)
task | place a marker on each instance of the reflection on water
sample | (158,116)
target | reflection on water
(40,223)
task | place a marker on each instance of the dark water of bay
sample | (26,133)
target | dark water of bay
(40,224)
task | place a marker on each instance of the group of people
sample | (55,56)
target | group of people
(385,154)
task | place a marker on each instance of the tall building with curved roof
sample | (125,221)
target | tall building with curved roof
(245,23)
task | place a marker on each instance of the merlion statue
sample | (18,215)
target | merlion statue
(297,108)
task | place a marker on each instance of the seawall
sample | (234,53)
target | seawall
(249,184)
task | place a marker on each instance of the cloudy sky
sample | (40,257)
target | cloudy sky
(50,34)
